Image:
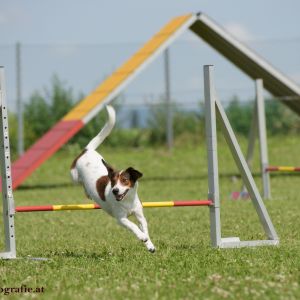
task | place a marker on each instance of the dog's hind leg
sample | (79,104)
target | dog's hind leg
(75,176)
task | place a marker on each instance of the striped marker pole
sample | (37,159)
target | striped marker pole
(96,206)
(282,169)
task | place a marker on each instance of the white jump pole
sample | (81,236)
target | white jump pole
(7,195)
(262,135)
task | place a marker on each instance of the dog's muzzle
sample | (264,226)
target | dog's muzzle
(119,197)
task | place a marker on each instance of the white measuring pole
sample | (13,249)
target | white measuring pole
(212,156)
(7,195)
(262,135)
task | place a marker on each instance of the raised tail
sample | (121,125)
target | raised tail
(105,131)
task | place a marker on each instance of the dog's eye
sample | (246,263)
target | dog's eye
(124,181)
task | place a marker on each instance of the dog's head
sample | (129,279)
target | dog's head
(122,182)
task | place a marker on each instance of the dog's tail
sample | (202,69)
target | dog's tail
(105,131)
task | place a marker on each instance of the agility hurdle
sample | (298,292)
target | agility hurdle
(61,207)
(282,169)
(258,127)
(213,111)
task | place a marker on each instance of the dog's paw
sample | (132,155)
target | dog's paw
(150,246)
(152,250)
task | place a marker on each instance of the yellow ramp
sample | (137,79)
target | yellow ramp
(83,110)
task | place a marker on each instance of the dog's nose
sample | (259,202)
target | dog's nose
(115,191)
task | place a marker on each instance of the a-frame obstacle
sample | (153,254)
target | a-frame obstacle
(203,27)
(213,111)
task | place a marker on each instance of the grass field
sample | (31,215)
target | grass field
(90,257)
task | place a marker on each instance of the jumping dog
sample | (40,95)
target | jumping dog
(115,191)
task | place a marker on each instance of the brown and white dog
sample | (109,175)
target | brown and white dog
(115,191)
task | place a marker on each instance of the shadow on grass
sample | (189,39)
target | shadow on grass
(45,186)
(154,178)
(221,175)
(284,174)
(193,177)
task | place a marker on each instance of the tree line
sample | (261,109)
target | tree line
(49,105)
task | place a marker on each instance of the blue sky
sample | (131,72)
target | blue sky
(83,41)
(90,21)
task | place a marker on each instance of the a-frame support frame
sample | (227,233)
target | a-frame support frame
(214,111)
(258,128)
(7,195)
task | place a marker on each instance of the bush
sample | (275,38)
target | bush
(184,122)
(280,119)
(48,106)
(240,115)
(45,109)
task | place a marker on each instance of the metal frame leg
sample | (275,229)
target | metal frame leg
(251,145)
(7,195)
(262,135)
(212,156)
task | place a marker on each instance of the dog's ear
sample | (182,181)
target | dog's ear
(109,168)
(134,174)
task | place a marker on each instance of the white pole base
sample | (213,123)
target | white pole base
(8,255)
(235,242)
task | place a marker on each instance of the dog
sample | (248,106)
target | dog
(115,191)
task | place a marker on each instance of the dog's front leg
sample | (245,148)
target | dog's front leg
(132,227)
(144,227)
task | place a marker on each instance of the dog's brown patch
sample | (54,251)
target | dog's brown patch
(101,184)
(113,175)
(76,159)
(114,178)
(130,176)
(124,178)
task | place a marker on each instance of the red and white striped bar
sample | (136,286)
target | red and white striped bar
(96,206)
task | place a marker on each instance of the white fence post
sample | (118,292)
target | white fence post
(7,195)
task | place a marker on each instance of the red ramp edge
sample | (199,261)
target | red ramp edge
(43,149)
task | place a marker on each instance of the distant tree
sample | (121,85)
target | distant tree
(13,128)
(45,108)
(240,115)
(184,122)
(61,99)
(37,117)
(280,119)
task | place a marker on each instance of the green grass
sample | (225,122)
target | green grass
(90,257)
